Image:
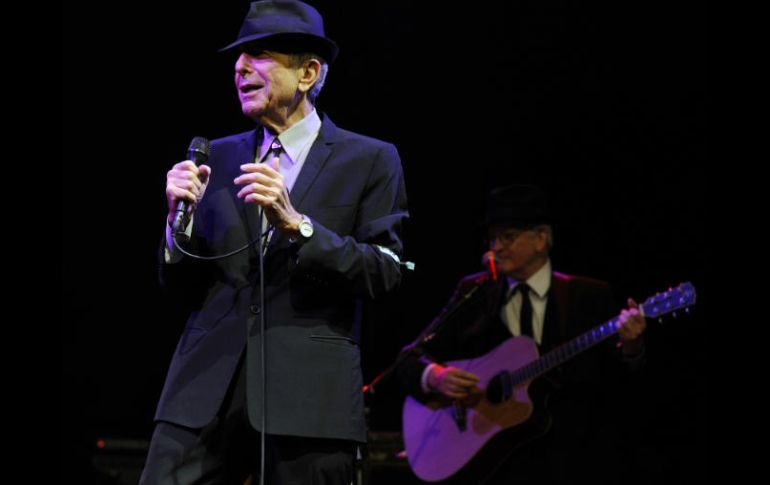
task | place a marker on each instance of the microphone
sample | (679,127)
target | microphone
(198,152)
(489,260)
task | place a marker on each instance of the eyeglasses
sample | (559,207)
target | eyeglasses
(506,236)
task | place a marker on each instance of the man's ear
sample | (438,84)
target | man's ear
(310,70)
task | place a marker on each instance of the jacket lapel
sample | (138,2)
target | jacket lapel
(245,152)
(491,329)
(316,159)
(555,321)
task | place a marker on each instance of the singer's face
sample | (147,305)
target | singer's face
(267,86)
(520,252)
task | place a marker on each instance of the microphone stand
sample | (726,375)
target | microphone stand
(435,327)
(438,324)
(263,350)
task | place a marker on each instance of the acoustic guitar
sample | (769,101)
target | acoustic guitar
(442,437)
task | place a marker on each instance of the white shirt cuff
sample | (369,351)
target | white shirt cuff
(390,253)
(424,379)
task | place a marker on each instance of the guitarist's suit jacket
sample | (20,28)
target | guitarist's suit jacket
(470,326)
(352,189)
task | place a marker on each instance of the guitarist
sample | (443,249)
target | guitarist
(486,309)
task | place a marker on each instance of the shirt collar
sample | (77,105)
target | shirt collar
(540,282)
(295,138)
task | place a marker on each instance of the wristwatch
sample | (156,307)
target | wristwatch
(305,227)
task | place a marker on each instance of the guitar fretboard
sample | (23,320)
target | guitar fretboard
(564,352)
(655,306)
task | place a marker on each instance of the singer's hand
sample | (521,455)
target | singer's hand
(453,382)
(185,181)
(263,185)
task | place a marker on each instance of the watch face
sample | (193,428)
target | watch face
(306,228)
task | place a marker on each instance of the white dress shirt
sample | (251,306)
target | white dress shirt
(539,284)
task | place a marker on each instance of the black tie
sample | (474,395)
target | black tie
(276,147)
(525,314)
(274,151)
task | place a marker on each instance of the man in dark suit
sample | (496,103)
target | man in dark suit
(523,295)
(334,202)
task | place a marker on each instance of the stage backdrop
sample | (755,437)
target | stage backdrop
(603,105)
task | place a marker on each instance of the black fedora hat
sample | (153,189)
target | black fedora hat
(285,25)
(517,205)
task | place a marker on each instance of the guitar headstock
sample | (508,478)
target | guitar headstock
(669,301)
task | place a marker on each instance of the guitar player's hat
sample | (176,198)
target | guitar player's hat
(523,206)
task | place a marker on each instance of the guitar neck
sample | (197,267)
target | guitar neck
(565,352)
(655,306)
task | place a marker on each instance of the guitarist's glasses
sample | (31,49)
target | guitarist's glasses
(506,236)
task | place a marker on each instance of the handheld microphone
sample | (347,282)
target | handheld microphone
(198,152)
(489,260)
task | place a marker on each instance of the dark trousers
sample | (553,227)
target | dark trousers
(227,451)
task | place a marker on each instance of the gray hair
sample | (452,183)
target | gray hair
(315,89)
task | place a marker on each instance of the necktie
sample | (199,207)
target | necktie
(525,313)
(275,151)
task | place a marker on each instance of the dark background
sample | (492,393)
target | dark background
(603,105)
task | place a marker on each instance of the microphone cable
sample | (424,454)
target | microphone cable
(258,239)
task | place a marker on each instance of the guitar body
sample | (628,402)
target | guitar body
(436,446)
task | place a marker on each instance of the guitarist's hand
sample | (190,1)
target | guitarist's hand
(453,382)
(632,325)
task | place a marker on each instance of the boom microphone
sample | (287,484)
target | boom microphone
(199,154)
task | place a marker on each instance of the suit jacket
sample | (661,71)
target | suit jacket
(352,188)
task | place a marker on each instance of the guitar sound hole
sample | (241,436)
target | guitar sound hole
(500,388)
